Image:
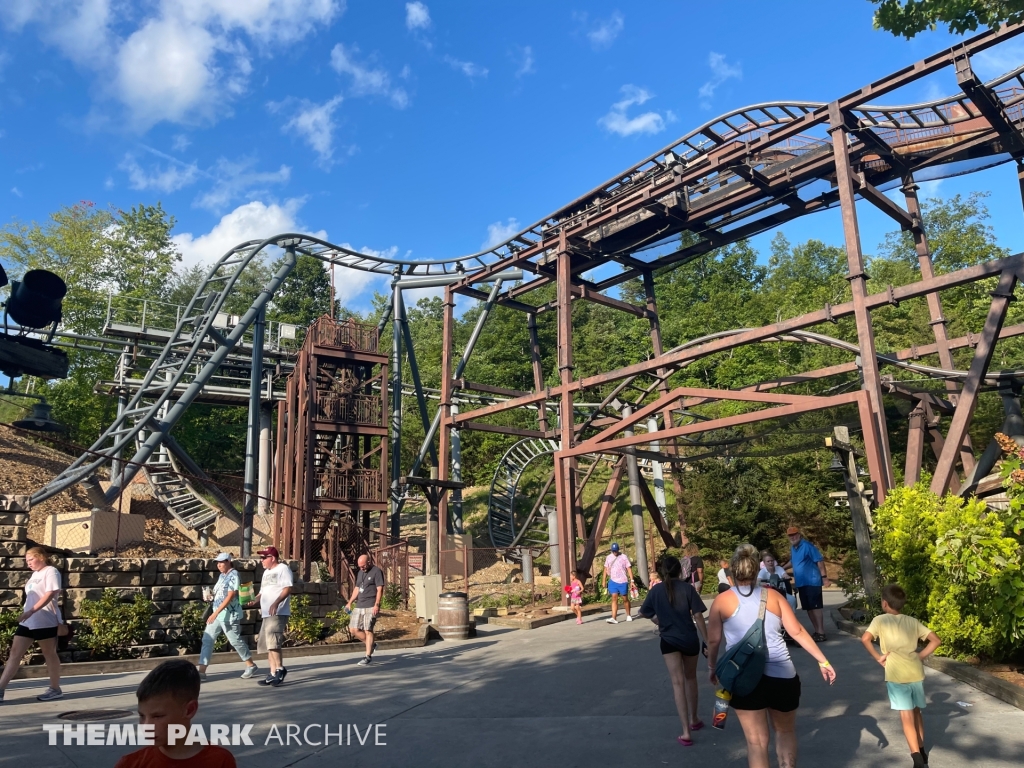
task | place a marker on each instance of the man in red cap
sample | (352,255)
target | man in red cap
(809,575)
(275,608)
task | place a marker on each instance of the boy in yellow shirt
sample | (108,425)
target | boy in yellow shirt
(898,636)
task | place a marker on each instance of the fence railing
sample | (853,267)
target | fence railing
(345,334)
(348,409)
(353,485)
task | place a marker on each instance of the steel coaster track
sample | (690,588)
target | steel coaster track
(185,363)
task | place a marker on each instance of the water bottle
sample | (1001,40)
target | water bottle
(722,699)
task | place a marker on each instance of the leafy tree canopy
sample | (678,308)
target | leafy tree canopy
(907,18)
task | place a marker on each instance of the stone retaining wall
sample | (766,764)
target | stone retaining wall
(168,584)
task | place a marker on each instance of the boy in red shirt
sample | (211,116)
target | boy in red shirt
(169,695)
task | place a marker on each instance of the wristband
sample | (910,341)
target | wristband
(824,664)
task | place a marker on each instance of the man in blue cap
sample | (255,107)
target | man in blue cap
(618,575)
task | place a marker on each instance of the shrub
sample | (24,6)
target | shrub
(391,600)
(303,627)
(338,621)
(113,626)
(8,626)
(193,624)
(961,566)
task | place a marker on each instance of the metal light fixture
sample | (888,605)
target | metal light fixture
(861,472)
(40,420)
(837,464)
(35,300)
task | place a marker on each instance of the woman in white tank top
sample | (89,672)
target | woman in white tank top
(777,696)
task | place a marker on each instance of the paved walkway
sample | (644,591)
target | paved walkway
(590,695)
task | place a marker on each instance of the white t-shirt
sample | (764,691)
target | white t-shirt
(272,585)
(723,578)
(765,575)
(44,580)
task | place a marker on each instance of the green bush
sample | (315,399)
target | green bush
(961,565)
(391,600)
(303,627)
(113,626)
(193,624)
(8,626)
(338,621)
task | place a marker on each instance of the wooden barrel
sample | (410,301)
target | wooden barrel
(453,616)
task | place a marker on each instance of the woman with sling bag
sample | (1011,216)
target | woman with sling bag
(777,695)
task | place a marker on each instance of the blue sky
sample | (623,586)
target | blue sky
(425,129)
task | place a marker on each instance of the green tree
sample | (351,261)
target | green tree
(909,17)
(140,255)
(305,294)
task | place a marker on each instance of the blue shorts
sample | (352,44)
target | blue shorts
(904,696)
(618,588)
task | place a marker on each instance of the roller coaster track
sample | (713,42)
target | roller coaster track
(197,347)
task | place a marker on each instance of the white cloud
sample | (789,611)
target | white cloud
(525,62)
(181,143)
(468,68)
(251,221)
(617,121)
(16,191)
(721,71)
(996,61)
(366,81)
(602,32)
(234,179)
(313,123)
(170,178)
(417,16)
(182,61)
(499,232)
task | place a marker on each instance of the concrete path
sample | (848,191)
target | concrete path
(575,696)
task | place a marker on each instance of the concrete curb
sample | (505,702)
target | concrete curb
(542,621)
(965,673)
(81,668)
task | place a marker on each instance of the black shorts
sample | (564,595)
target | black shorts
(45,633)
(810,598)
(691,649)
(779,693)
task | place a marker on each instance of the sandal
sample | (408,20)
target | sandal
(684,742)
(697,726)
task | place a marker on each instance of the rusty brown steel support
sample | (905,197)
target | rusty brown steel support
(671,446)
(309,394)
(938,321)
(298,454)
(933,434)
(538,370)
(858,280)
(445,427)
(915,446)
(566,495)
(1001,299)
(607,504)
(872,447)
(277,495)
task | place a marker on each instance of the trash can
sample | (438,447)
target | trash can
(453,616)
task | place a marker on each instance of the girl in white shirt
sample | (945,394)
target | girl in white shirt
(38,623)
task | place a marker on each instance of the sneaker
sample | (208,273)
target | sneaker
(52,694)
(628,617)
(249,672)
(365,662)
(1,697)
(819,638)
(268,680)
(612,621)
(374,649)
(579,621)
(202,677)
(281,673)
(277,679)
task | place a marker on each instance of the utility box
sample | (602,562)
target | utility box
(425,590)
(458,557)
(93,531)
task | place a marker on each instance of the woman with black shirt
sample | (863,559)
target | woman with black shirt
(678,611)
(692,553)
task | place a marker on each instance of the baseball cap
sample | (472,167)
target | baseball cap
(792,530)
(223,557)
(615,547)
(271,551)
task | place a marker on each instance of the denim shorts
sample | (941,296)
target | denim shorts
(903,696)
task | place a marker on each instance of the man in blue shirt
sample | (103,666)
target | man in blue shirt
(809,574)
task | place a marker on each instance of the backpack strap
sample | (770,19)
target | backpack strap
(764,605)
